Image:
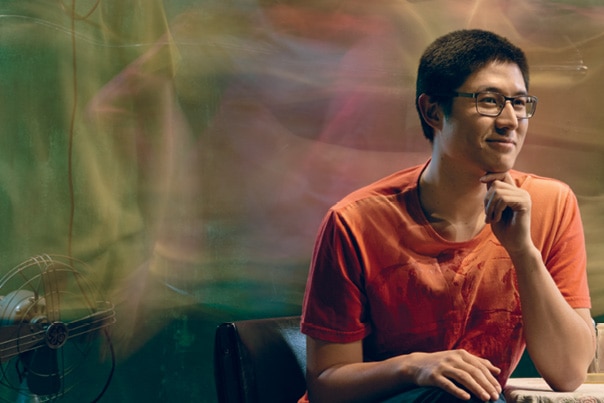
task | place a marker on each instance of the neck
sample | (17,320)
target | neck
(452,203)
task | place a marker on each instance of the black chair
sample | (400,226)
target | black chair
(260,361)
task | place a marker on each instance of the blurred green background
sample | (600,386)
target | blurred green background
(186,150)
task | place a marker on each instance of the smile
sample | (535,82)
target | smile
(504,146)
(511,142)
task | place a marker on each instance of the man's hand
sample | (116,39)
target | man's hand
(508,210)
(457,372)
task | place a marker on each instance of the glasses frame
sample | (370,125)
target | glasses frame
(506,99)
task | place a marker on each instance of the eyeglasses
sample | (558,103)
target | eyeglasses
(490,103)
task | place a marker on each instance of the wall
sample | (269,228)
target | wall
(186,150)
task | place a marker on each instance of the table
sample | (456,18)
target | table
(529,390)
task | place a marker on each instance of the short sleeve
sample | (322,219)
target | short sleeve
(566,258)
(334,302)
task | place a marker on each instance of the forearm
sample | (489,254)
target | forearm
(345,378)
(560,341)
(358,382)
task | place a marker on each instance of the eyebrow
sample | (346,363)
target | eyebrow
(498,90)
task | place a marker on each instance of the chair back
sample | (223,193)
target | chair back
(260,361)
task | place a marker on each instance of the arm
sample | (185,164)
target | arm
(560,339)
(337,373)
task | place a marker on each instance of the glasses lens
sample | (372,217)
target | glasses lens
(489,103)
(531,106)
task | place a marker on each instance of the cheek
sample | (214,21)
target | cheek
(522,132)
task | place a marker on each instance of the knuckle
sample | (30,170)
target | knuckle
(462,352)
(445,384)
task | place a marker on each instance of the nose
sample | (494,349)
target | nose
(507,118)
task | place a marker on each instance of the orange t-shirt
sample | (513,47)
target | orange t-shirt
(382,274)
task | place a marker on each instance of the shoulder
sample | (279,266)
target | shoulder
(384,190)
(553,200)
(541,186)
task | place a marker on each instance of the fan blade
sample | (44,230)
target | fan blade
(42,371)
(52,280)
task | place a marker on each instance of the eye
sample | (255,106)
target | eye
(489,99)
(520,101)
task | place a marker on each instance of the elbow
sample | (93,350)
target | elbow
(567,373)
(566,381)
(567,385)
(318,391)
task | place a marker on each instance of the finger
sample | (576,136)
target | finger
(494,207)
(483,372)
(452,388)
(473,381)
(488,206)
(491,368)
(491,177)
(505,214)
(490,371)
(501,199)
(502,203)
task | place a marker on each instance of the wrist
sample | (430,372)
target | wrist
(407,368)
(524,256)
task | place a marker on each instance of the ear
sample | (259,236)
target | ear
(431,111)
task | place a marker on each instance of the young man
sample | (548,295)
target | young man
(428,284)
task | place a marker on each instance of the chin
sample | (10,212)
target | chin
(499,168)
(505,164)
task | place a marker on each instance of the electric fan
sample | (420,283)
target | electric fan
(54,333)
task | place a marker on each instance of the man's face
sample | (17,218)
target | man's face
(483,143)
